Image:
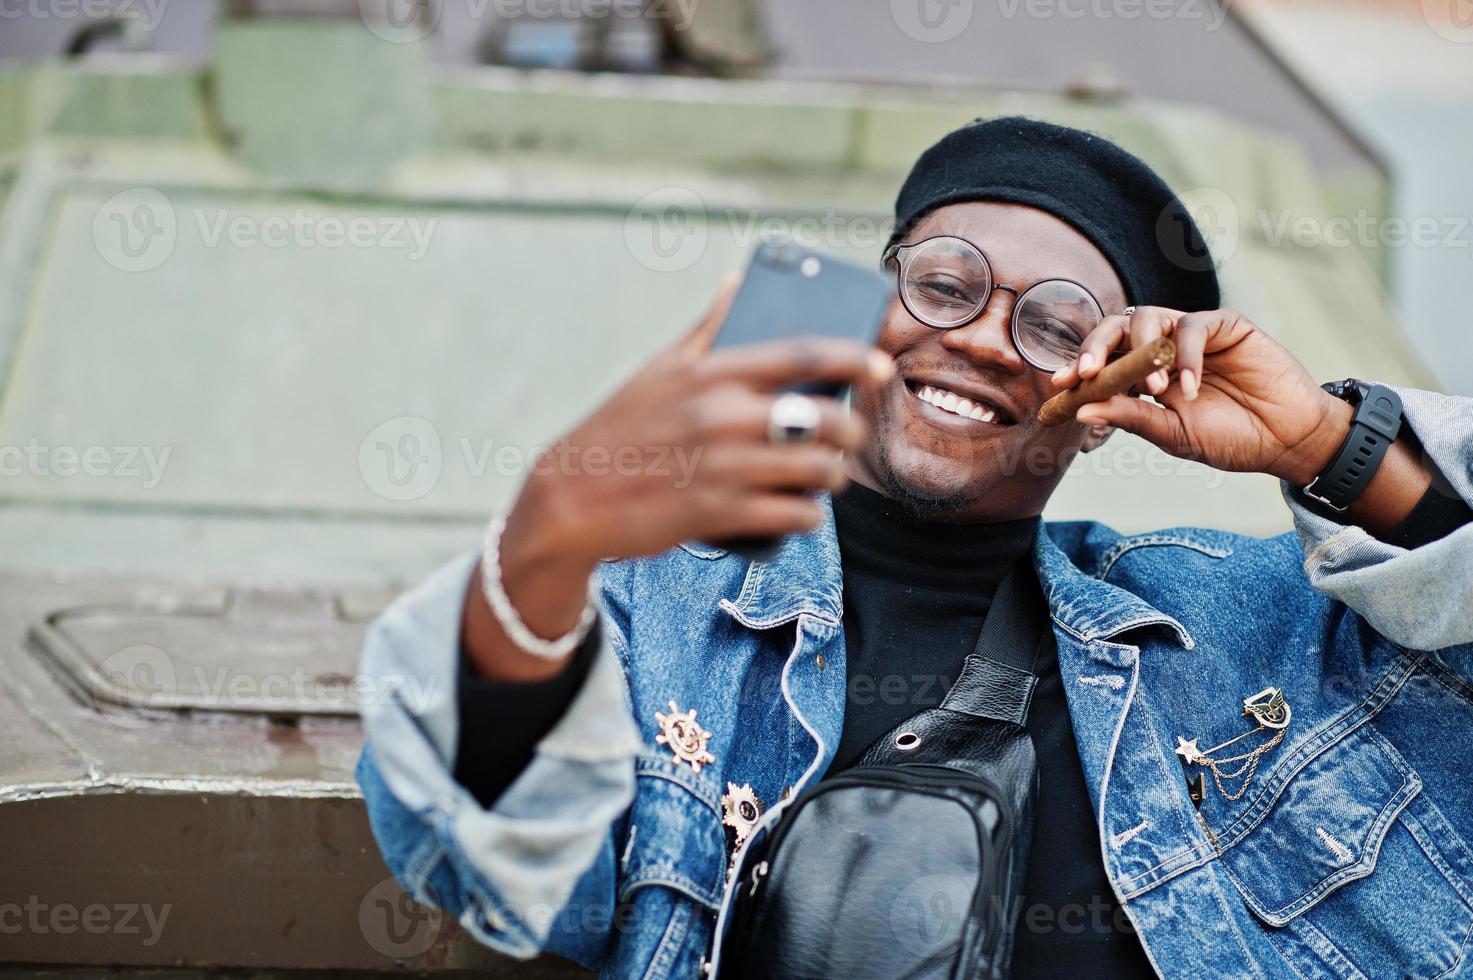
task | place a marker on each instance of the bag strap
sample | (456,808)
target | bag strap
(998,678)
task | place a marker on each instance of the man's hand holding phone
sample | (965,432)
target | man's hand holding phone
(709,407)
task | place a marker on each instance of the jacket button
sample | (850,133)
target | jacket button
(822,663)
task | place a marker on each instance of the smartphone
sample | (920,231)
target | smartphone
(790,291)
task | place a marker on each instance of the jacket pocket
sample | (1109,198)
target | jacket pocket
(675,835)
(1355,873)
(671,871)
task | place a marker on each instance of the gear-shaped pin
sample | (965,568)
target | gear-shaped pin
(686,739)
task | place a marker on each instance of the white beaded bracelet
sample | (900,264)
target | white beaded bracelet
(506,613)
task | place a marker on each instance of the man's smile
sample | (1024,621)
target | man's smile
(958,405)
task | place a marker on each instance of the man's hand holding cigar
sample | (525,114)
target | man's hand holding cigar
(1234,399)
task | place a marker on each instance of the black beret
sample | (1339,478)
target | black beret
(1110,196)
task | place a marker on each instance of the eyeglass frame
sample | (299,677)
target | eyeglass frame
(892,254)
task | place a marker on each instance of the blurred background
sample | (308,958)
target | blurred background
(292,291)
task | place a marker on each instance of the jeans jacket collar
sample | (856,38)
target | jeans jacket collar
(805,578)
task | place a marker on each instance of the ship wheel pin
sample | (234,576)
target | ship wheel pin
(686,739)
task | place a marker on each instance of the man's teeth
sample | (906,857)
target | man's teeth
(950,401)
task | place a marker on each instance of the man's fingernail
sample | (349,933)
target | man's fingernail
(1189,384)
(1086,361)
(881,365)
(1087,416)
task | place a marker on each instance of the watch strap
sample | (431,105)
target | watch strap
(1373,428)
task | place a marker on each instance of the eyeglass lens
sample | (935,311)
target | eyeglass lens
(946,282)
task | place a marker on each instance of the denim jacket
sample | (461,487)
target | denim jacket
(1350,854)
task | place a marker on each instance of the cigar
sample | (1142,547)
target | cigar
(1115,378)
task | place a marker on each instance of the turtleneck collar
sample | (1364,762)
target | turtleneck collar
(878,535)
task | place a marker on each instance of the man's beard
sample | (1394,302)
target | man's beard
(941,508)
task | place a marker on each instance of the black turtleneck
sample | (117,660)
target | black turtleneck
(915,595)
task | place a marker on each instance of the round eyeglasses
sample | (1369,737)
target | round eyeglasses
(946,282)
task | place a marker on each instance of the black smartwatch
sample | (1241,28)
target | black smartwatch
(1373,429)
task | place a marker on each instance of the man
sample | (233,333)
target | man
(620,689)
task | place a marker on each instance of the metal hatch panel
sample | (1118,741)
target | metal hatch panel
(230,838)
(84,711)
(270,652)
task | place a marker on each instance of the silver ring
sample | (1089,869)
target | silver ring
(1128,311)
(793,418)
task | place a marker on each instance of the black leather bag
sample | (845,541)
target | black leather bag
(910,863)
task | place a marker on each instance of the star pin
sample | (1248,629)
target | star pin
(1188,750)
(686,739)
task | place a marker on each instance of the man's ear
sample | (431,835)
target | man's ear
(1095,437)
